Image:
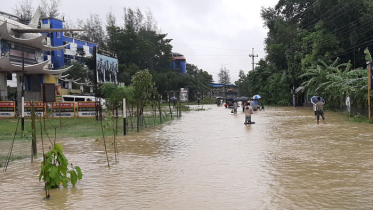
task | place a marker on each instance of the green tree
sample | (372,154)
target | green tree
(224,76)
(143,87)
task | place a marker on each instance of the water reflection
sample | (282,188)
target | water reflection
(211,160)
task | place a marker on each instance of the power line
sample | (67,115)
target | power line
(224,64)
(210,47)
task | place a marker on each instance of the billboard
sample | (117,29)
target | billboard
(106,66)
(39,106)
(7,109)
(63,109)
(87,109)
(184,95)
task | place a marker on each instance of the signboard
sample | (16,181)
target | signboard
(184,95)
(58,93)
(87,108)
(7,109)
(39,107)
(63,109)
(106,66)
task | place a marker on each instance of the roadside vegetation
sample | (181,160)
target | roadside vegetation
(318,44)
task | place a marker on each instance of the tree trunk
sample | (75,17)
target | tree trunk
(160,112)
(169,106)
(138,118)
(132,115)
(116,121)
(155,113)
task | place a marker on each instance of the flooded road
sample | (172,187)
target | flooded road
(211,160)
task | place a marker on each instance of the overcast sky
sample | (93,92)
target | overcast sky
(210,33)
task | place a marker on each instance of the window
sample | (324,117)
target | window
(45,21)
(58,34)
(79,99)
(9,76)
(68,99)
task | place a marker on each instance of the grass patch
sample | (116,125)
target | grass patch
(72,127)
(358,118)
(12,158)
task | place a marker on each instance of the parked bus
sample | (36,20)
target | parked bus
(76,99)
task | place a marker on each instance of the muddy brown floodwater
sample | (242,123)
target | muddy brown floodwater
(211,160)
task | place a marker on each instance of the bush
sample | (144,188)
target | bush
(208,101)
(54,169)
(360,118)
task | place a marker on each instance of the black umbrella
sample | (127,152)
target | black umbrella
(244,98)
(237,99)
(314,99)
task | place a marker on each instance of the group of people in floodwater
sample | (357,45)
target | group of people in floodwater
(247,108)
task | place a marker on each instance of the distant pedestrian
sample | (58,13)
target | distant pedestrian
(248,112)
(320,110)
(263,107)
(174,103)
(235,106)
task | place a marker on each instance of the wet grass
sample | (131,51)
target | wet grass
(71,127)
(357,118)
(12,158)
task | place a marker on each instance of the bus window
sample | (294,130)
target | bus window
(79,99)
(68,99)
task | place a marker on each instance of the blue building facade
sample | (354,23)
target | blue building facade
(60,58)
(179,62)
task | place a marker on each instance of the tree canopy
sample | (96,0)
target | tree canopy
(302,34)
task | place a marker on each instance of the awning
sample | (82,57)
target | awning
(299,89)
(7,66)
(34,42)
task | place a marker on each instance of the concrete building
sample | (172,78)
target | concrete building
(48,53)
(28,44)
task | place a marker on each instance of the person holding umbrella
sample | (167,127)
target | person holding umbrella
(314,100)
(174,100)
(320,110)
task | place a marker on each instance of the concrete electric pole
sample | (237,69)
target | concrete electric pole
(253,56)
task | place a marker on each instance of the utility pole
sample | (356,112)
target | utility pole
(253,56)
(23,89)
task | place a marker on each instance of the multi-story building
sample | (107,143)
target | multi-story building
(43,41)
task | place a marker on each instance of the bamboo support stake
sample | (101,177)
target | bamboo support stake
(369,76)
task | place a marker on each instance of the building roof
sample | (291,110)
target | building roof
(299,89)
(32,42)
(221,85)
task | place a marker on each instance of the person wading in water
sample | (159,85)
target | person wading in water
(320,110)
